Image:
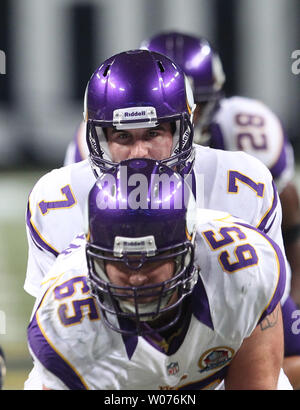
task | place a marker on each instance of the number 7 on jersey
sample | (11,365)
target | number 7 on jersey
(232,187)
(68,202)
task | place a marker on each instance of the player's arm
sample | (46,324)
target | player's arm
(47,379)
(291,234)
(38,263)
(257,364)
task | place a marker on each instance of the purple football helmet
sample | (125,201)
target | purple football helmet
(139,89)
(199,61)
(143,212)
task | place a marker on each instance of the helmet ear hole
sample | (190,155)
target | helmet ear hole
(106,71)
(161,67)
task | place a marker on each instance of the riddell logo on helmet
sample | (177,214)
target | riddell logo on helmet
(135,114)
(122,116)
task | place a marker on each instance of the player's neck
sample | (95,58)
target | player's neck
(164,339)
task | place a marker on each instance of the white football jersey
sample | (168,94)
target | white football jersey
(228,181)
(244,124)
(240,124)
(241,281)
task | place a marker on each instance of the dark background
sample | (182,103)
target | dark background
(53,46)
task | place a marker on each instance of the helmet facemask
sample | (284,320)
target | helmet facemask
(139,89)
(181,158)
(141,221)
(144,303)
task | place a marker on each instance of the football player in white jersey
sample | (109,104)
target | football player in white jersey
(139,104)
(243,124)
(160,294)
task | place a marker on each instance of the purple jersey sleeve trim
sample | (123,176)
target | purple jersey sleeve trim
(51,360)
(282,274)
(281,162)
(39,242)
(267,216)
(266,230)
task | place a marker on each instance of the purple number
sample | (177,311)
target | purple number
(210,236)
(255,121)
(242,262)
(64,203)
(246,120)
(240,251)
(66,290)
(232,186)
(77,307)
(262,145)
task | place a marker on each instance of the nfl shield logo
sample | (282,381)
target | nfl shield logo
(173,368)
